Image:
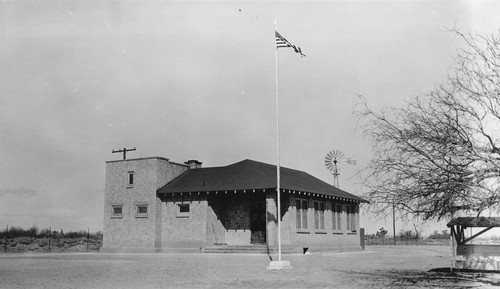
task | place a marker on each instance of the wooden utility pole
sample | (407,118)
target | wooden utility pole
(123,151)
(394,220)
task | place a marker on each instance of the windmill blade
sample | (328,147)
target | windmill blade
(329,161)
(333,160)
(329,165)
(338,155)
(336,160)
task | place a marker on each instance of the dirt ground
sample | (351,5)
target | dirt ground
(376,267)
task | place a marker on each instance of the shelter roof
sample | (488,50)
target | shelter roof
(475,222)
(248,175)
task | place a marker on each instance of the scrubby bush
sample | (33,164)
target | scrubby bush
(33,231)
(16,232)
(381,232)
(43,242)
(96,236)
(33,239)
(24,240)
(78,234)
(409,235)
(443,235)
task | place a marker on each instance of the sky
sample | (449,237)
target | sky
(197,80)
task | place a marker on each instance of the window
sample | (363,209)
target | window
(130,180)
(298,216)
(348,217)
(141,211)
(322,215)
(336,217)
(301,215)
(117,211)
(183,210)
(351,218)
(319,215)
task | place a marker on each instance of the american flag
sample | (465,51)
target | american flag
(281,42)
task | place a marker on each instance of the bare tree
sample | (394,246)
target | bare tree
(439,155)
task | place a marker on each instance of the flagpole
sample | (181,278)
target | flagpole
(278,152)
(279,265)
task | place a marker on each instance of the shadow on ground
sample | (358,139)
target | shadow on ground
(435,278)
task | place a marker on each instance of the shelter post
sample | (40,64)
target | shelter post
(452,245)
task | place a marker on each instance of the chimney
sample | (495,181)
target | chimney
(193,164)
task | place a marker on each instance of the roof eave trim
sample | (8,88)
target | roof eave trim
(298,192)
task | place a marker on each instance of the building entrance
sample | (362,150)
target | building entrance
(258,223)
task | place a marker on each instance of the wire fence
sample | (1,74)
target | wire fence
(16,240)
(374,240)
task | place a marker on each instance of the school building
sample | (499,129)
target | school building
(156,205)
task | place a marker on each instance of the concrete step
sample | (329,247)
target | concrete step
(262,249)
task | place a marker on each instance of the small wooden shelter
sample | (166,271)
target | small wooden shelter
(474,256)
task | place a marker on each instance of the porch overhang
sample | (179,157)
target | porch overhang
(165,193)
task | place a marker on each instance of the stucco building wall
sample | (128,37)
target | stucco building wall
(131,229)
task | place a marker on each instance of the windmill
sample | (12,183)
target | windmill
(334,162)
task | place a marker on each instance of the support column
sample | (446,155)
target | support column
(271,220)
(272,231)
(158,224)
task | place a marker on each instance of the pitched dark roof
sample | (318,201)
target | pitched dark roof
(247,175)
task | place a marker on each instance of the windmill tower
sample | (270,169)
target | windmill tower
(334,162)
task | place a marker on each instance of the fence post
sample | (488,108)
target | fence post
(50,233)
(362,237)
(88,235)
(5,245)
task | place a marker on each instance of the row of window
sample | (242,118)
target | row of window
(302,207)
(141,210)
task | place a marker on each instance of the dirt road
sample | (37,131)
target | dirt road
(376,267)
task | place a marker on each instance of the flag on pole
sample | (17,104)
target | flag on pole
(281,42)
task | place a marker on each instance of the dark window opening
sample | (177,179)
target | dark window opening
(117,210)
(142,210)
(319,215)
(337,217)
(301,215)
(184,208)
(130,178)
